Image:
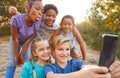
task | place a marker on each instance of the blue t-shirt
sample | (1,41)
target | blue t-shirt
(26,71)
(72,66)
(24,31)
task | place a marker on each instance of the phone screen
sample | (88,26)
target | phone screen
(108,49)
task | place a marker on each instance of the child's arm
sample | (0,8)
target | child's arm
(69,75)
(25,47)
(80,41)
(15,42)
(57,32)
(86,72)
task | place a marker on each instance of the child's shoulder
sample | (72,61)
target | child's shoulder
(18,16)
(52,65)
(27,64)
(75,61)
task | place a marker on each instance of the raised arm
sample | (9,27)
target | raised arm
(57,32)
(80,41)
(86,72)
(13,10)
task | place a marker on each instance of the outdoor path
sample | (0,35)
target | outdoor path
(92,57)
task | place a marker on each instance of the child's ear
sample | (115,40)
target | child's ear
(34,53)
(53,53)
(27,8)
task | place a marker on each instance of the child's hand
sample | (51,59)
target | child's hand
(83,58)
(21,60)
(92,71)
(16,58)
(115,69)
(12,10)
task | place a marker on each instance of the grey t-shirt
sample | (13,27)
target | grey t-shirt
(45,31)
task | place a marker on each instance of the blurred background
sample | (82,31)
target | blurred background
(93,18)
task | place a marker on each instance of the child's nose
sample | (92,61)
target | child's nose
(46,51)
(40,13)
(64,51)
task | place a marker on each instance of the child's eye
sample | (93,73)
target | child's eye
(40,49)
(60,49)
(48,47)
(37,8)
(67,49)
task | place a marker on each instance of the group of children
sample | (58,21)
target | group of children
(36,37)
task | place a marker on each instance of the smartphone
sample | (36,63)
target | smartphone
(108,49)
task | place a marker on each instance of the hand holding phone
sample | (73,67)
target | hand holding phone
(108,50)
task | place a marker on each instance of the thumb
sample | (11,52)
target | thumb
(100,70)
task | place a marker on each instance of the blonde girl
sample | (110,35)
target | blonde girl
(40,54)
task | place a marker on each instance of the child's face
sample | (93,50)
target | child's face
(43,50)
(67,25)
(35,12)
(50,17)
(62,52)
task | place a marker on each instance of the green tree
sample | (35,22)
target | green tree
(4,15)
(106,13)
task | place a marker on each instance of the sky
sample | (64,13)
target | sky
(76,8)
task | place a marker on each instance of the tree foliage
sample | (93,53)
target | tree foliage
(104,17)
(106,13)
(4,15)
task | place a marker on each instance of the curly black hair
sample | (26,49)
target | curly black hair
(30,2)
(50,6)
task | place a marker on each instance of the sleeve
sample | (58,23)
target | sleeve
(79,64)
(24,73)
(48,68)
(37,26)
(13,21)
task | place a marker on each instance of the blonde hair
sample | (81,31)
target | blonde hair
(32,57)
(58,40)
(33,48)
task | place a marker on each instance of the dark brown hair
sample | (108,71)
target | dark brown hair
(70,17)
(50,6)
(30,2)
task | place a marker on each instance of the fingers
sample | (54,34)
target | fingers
(115,69)
(116,75)
(107,75)
(96,69)
(21,60)
(12,10)
(96,72)
(114,65)
(101,70)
